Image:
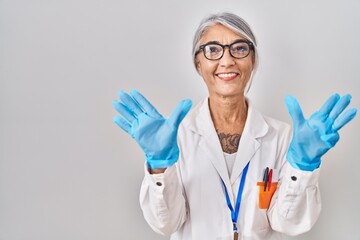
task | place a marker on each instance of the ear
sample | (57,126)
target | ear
(198,66)
(253,58)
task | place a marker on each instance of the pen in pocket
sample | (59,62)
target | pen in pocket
(266,178)
(270,179)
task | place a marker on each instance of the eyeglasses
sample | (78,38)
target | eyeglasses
(238,49)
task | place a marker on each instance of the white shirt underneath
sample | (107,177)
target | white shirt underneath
(229,160)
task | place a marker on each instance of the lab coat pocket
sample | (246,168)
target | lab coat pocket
(265,195)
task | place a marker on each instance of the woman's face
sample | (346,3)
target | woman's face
(227,76)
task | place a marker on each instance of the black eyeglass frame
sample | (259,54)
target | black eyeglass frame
(250,44)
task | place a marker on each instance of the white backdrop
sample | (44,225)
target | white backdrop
(68,172)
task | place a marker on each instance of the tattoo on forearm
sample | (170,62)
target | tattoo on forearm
(229,142)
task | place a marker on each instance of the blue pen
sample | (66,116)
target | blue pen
(266,178)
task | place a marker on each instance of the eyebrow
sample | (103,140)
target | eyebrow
(217,42)
(212,42)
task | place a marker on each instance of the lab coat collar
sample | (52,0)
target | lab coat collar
(250,141)
(200,122)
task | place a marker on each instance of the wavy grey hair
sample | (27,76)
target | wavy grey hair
(234,23)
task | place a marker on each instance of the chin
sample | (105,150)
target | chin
(230,92)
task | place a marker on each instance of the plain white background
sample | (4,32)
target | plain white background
(68,172)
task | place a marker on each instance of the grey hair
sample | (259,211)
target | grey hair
(231,21)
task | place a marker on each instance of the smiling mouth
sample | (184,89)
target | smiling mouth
(227,76)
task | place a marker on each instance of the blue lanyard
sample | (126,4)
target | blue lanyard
(235,214)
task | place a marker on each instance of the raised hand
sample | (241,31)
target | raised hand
(313,137)
(156,135)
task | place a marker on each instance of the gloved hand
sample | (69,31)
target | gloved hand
(313,137)
(156,135)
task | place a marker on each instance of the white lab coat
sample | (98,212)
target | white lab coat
(188,200)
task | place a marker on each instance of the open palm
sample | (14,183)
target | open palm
(156,135)
(313,137)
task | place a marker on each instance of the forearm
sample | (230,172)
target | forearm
(157,171)
(162,201)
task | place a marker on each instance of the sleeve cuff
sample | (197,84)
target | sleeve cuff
(299,180)
(158,182)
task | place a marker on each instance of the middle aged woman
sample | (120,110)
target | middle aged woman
(228,172)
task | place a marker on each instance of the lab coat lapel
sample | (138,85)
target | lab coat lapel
(212,148)
(255,128)
(202,124)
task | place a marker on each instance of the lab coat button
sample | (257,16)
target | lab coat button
(159,184)
(293,178)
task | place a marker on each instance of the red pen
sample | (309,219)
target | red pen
(270,178)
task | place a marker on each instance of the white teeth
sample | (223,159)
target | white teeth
(227,75)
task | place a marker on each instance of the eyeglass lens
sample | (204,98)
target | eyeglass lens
(216,51)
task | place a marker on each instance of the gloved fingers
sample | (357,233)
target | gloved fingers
(123,124)
(295,111)
(124,111)
(344,118)
(329,104)
(331,139)
(130,103)
(145,104)
(180,112)
(340,106)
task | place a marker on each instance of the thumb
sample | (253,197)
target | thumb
(180,112)
(295,111)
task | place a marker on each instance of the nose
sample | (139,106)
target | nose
(227,60)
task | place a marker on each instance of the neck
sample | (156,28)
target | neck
(228,113)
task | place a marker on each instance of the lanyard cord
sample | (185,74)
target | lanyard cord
(235,214)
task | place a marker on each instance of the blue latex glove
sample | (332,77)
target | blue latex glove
(156,135)
(313,137)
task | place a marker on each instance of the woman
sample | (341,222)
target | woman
(227,171)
